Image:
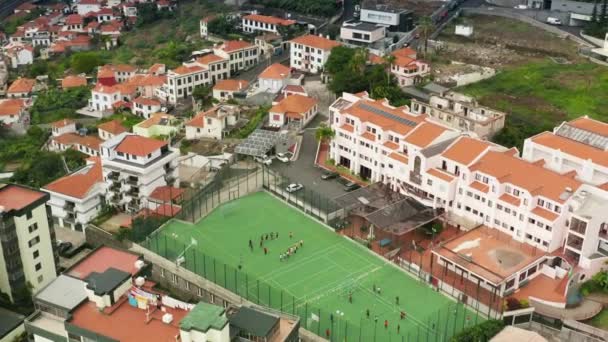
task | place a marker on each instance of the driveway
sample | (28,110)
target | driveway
(304,170)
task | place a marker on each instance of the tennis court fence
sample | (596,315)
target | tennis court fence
(440,326)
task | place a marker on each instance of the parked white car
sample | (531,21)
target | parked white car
(285,157)
(521,7)
(293,187)
(553,21)
(263,160)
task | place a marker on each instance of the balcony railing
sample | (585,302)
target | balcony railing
(132,181)
(578,226)
(114,175)
(415,178)
(69,207)
(575,242)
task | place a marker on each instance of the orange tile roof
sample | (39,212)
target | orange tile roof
(74,19)
(231,85)
(73,81)
(166,193)
(139,146)
(235,45)
(155,119)
(537,180)
(294,104)
(145,101)
(404,52)
(316,42)
(479,186)
(11,106)
(125,88)
(183,70)
(21,85)
(16,197)
(123,68)
(590,125)
(369,136)
(79,183)
(374,59)
(269,19)
(62,123)
(572,147)
(544,213)
(156,67)
(391,144)
(100,88)
(348,128)
(276,71)
(399,157)
(210,58)
(510,199)
(70,139)
(441,174)
(146,80)
(113,127)
(359,110)
(465,150)
(423,135)
(197,121)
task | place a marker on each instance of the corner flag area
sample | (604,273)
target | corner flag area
(338,288)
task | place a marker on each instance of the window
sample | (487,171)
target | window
(429,182)
(174,278)
(40,279)
(200,292)
(28,215)
(38,266)
(36,254)
(33,227)
(541,203)
(34,241)
(162,272)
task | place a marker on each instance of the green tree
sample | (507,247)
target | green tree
(324,133)
(204,95)
(426,27)
(85,62)
(222,26)
(339,57)
(480,332)
(41,169)
(389,59)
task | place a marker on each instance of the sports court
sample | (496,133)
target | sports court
(316,281)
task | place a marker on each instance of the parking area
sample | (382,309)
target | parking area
(304,171)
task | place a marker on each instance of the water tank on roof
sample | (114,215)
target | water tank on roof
(139,264)
(167,318)
(140,281)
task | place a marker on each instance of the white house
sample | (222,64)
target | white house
(62,127)
(407,69)
(20,55)
(309,53)
(295,110)
(255,22)
(361,33)
(133,166)
(240,54)
(21,88)
(216,65)
(145,107)
(274,78)
(214,123)
(204,26)
(103,97)
(75,199)
(13,111)
(110,129)
(182,81)
(225,89)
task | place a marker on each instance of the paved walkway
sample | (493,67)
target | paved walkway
(599,297)
(587,309)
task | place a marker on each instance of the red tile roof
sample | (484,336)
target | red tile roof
(63,123)
(113,127)
(103,258)
(231,85)
(479,186)
(79,183)
(145,101)
(269,19)
(276,71)
(22,85)
(197,121)
(425,134)
(590,125)
(572,147)
(210,58)
(544,213)
(465,150)
(11,106)
(74,19)
(183,70)
(73,81)
(16,197)
(316,42)
(235,45)
(441,174)
(139,146)
(361,109)
(296,103)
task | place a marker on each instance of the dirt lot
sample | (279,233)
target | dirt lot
(501,42)
(419,7)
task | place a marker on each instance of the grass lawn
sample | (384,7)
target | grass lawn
(540,95)
(601,320)
(317,280)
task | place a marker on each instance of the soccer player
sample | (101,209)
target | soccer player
(397,300)
(290,235)
(367,313)
(350,297)
(265,250)
(386,324)
(402,315)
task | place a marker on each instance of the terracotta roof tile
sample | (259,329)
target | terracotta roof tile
(276,71)
(113,127)
(399,157)
(269,19)
(184,70)
(73,81)
(572,147)
(155,119)
(425,134)
(364,109)
(466,150)
(235,45)
(296,103)
(79,183)
(11,106)
(209,59)
(145,101)
(510,199)
(479,186)
(231,85)
(22,85)
(16,197)
(63,123)
(166,193)
(316,42)
(441,174)
(369,136)
(391,144)
(348,128)
(139,146)
(197,121)
(544,213)
(590,125)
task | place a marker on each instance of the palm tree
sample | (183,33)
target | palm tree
(359,60)
(324,133)
(388,63)
(426,28)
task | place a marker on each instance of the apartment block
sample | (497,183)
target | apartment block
(217,66)
(462,113)
(241,55)
(133,166)
(182,81)
(309,53)
(27,240)
(360,33)
(255,23)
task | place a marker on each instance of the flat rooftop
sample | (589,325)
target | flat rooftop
(102,259)
(489,253)
(65,292)
(15,197)
(361,26)
(9,321)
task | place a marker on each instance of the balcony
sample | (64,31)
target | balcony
(133,192)
(578,226)
(70,218)
(113,175)
(133,181)
(69,207)
(415,178)
(574,242)
(115,186)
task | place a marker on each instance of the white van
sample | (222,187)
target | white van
(553,21)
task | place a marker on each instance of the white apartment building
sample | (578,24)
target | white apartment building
(579,146)
(215,123)
(394,19)
(144,106)
(133,166)
(461,112)
(182,81)
(309,53)
(360,33)
(217,66)
(203,25)
(255,22)
(241,55)
(75,199)
(27,253)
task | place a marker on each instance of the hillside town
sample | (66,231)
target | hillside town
(303,171)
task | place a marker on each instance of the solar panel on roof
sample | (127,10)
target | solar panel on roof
(388,115)
(583,136)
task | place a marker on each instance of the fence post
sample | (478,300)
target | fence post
(258,297)
(214,274)
(225,279)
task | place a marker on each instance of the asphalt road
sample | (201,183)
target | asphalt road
(304,171)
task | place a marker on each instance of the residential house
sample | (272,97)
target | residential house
(133,166)
(13,111)
(62,127)
(86,144)
(362,34)
(270,44)
(106,98)
(395,19)
(461,112)
(110,129)
(255,23)
(75,199)
(225,89)
(28,261)
(21,88)
(182,81)
(214,123)
(309,53)
(203,26)
(146,84)
(20,55)
(407,69)
(144,106)
(121,72)
(71,81)
(241,55)
(274,78)
(216,65)
(158,125)
(74,23)
(295,110)
(157,69)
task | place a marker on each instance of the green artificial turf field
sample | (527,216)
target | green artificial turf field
(316,282)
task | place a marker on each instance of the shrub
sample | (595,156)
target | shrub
(524,303)
(480,332)
(513,304)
